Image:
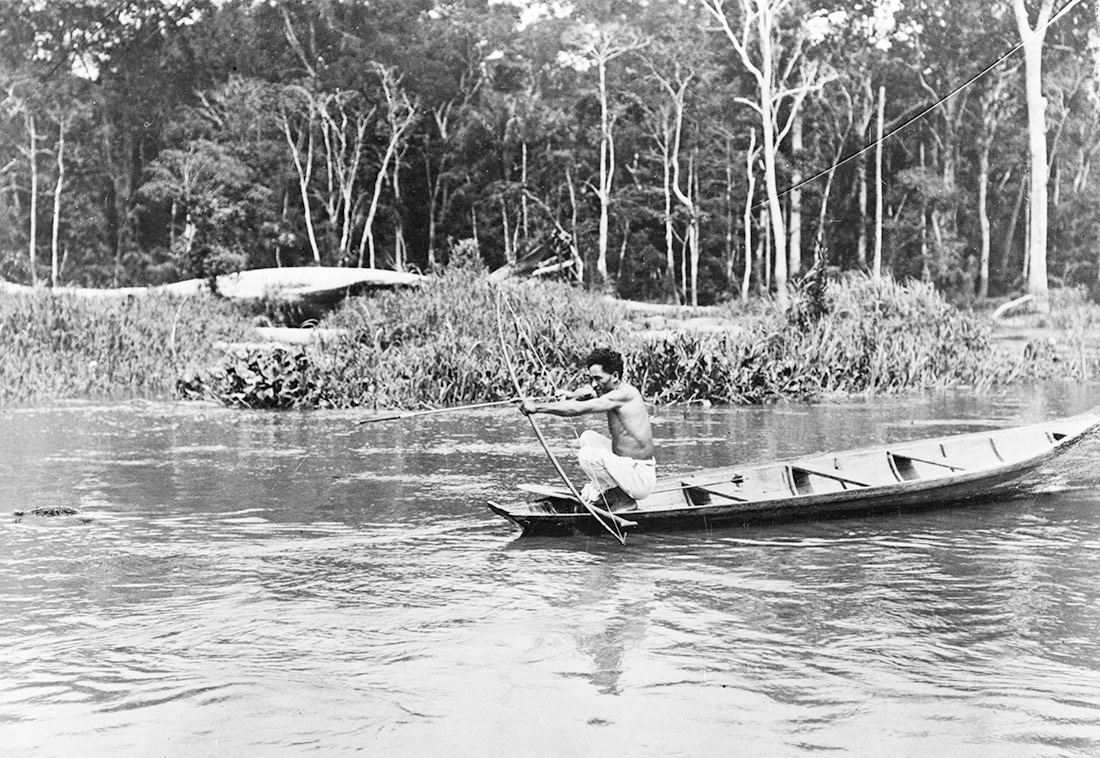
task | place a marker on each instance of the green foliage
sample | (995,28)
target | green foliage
(276,377)
(68,346)
(876,336)
(436,345)
(439,345)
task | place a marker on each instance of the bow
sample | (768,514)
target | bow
(608,520)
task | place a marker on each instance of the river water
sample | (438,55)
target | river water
(242,583)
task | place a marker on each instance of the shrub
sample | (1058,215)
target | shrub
(872,336)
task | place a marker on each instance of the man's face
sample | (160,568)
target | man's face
(601,381)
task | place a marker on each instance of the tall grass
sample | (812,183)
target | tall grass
(874,336)
(62,345)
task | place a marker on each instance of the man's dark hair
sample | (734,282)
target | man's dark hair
(610,360)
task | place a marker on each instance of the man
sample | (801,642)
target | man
(626,460)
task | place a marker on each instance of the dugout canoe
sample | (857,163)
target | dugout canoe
(943,471)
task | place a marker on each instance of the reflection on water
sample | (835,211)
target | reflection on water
(280,584)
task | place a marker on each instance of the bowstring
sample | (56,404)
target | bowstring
(610,524)
(525,337)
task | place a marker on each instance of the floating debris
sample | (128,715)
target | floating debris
(49,510)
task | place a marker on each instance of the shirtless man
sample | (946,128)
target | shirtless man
(626,460)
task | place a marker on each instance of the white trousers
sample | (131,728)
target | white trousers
(634,477)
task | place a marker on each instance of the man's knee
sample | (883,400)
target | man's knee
(593,439)
(590,456)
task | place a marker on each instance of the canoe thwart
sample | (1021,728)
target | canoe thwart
(803,469)
(929,461)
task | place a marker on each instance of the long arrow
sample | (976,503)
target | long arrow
(429,411)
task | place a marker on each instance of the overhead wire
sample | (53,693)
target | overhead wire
(924,112)
(65,58)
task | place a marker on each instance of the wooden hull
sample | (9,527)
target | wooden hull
(945,471)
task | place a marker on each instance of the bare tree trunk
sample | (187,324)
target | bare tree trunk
(399,252)
(730,262)
(601,50)
(623,249)
(876,268)
(172,225)
(795,231)
(509,252)
(925,274)
(991,107)
(861,178)
(670,253)
(607,172)
(983,220)
(400,115)
(750,191)
(1037,147)
(55,263)
(32,133)
(283,217)
(523,198)
(303,165)
(693,234)
(757,45)
(578,268)
(819,237)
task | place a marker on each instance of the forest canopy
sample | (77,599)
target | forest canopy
(657,148)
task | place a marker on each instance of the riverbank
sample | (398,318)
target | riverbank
(438,345)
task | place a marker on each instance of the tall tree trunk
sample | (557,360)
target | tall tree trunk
(578,259)
(983,222)
(693,227)
(607,173)
(666,176)
(303,165)
(795,231)
(55,257)
(861,178)
(730,254)
(523,197)
(750,191)
(32,133)
(876,268)
(771,185)
(1037,147)
(433,197)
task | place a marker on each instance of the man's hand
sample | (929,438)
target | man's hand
(584,392)
(527,408)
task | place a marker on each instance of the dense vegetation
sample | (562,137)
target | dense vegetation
(440,345)
(149,140)
(64,346)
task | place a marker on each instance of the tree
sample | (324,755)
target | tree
(783,80)
(600,44)
(208,183)
(994,104)
(1032,38)
(400,117)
